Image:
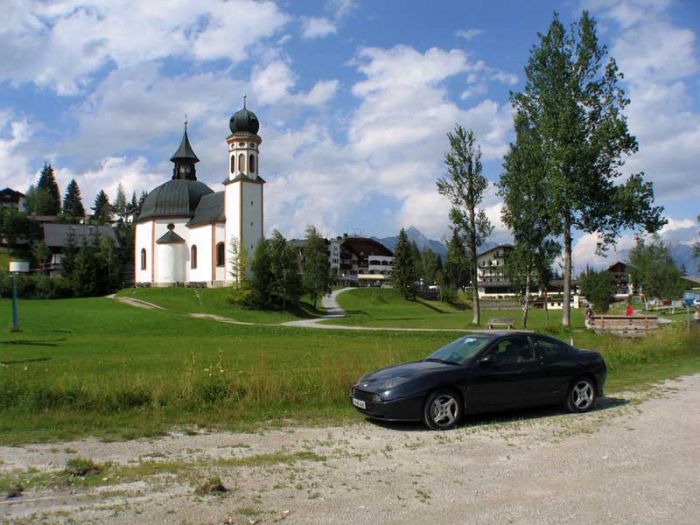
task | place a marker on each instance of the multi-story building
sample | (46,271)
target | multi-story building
(359,260)
(491,279)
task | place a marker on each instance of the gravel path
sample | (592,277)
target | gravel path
(635,460)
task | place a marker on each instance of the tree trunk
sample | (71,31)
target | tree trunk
(566,310)
(527,300)
(546,310)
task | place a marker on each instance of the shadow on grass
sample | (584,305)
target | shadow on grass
(24,361)
(30,342)
(428,305)
(494,418)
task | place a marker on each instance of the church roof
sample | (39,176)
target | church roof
(211,208)
(175,198)
(170,237)
(184,150)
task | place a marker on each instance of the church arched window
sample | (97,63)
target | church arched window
(241,162)
(251,163)
(143,258)
(233,164)
(193,257)
(220,254)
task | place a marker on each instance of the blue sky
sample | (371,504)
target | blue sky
(354,97)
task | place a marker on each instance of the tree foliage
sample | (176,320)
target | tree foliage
(16,225)
(102,210)
(73,209)
(599,288)
(653,270)
(404,273)
(47,198)
(573,106)
(316,276)
(464,186)
(276,281)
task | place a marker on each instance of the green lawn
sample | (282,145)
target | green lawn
(215,301)
(98,367)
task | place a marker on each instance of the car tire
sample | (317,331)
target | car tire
(443,409)
(581,396)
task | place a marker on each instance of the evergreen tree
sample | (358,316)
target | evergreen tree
(68,256)
(316,277)
(429,266)
(85,273)
(284,266)
(109,266)
(573,105)
(404,272)
(50,205)
(102,209)
(262,278)
(120,203)
(41,254)
(417,261)
(36,201)
(73,203)
(142,198)
(15,224)
(465,187)
(457,268)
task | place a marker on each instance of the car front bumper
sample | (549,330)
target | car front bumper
(404,409)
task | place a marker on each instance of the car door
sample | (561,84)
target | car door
(558,367)
(508,376)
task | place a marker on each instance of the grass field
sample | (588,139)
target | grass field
(98,367)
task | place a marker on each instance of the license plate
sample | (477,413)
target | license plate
(359,403)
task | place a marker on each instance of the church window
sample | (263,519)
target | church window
(193,257)
(233,164)
(251,163)
(143,258)
(241,162)
(220,254)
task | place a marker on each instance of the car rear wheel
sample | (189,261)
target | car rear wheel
(443,410)
(582,395)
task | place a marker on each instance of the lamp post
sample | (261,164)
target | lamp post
(15,268)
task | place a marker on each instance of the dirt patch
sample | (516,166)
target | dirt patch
(635,460)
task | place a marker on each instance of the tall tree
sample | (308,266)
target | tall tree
(464,187)
(120,203)
(525,204)
(284,267)
(457,268)
(47,184)
(404,273)
(102,210)
(316,277)
(429,265)
(574,106)
(73,203)
(68,256)
(238,255)
(262,279)
(417,261)
(41,254)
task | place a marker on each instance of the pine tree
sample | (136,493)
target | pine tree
(262,278)
(102,209)
(465,187)
(316,276)
(120,204)
(68,256)
(47,184)
(284,267)
(73,203)
(404,272)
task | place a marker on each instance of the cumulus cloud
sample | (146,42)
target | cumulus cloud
(274,84)
(317,27)
(468,34)
(62,45)
(15,136)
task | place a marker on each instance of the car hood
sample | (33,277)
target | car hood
(399,374)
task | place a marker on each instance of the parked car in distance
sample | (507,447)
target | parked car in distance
(483,372)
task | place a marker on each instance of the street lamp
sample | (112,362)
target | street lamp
(15,268)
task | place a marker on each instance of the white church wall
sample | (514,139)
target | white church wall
(144,241)
(200,236)
(171,267)
(220,236)
(251,212)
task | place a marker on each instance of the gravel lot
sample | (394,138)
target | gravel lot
(635,460)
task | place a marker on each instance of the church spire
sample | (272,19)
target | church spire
(184,159)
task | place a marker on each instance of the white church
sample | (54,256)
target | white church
(185,229)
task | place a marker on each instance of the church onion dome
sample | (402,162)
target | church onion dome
(175,198)
(184,151)
(244,121)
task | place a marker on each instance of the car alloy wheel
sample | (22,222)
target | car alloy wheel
(581,396)
(443,410)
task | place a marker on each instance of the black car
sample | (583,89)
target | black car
(483,372)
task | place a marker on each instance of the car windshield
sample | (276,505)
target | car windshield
(459,351)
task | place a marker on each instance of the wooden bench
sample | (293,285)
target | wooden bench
(634,326)
(500,321)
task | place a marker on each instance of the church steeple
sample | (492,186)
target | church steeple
(184,159)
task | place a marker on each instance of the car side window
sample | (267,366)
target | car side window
(552,350)
(513,350)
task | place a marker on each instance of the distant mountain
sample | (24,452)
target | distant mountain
(415,235)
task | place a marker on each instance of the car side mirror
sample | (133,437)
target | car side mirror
(487,360)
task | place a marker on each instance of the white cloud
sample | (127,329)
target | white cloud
(468,34)
(340,8)
(317,27)
(62,45)
(273,84)
(15,136)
